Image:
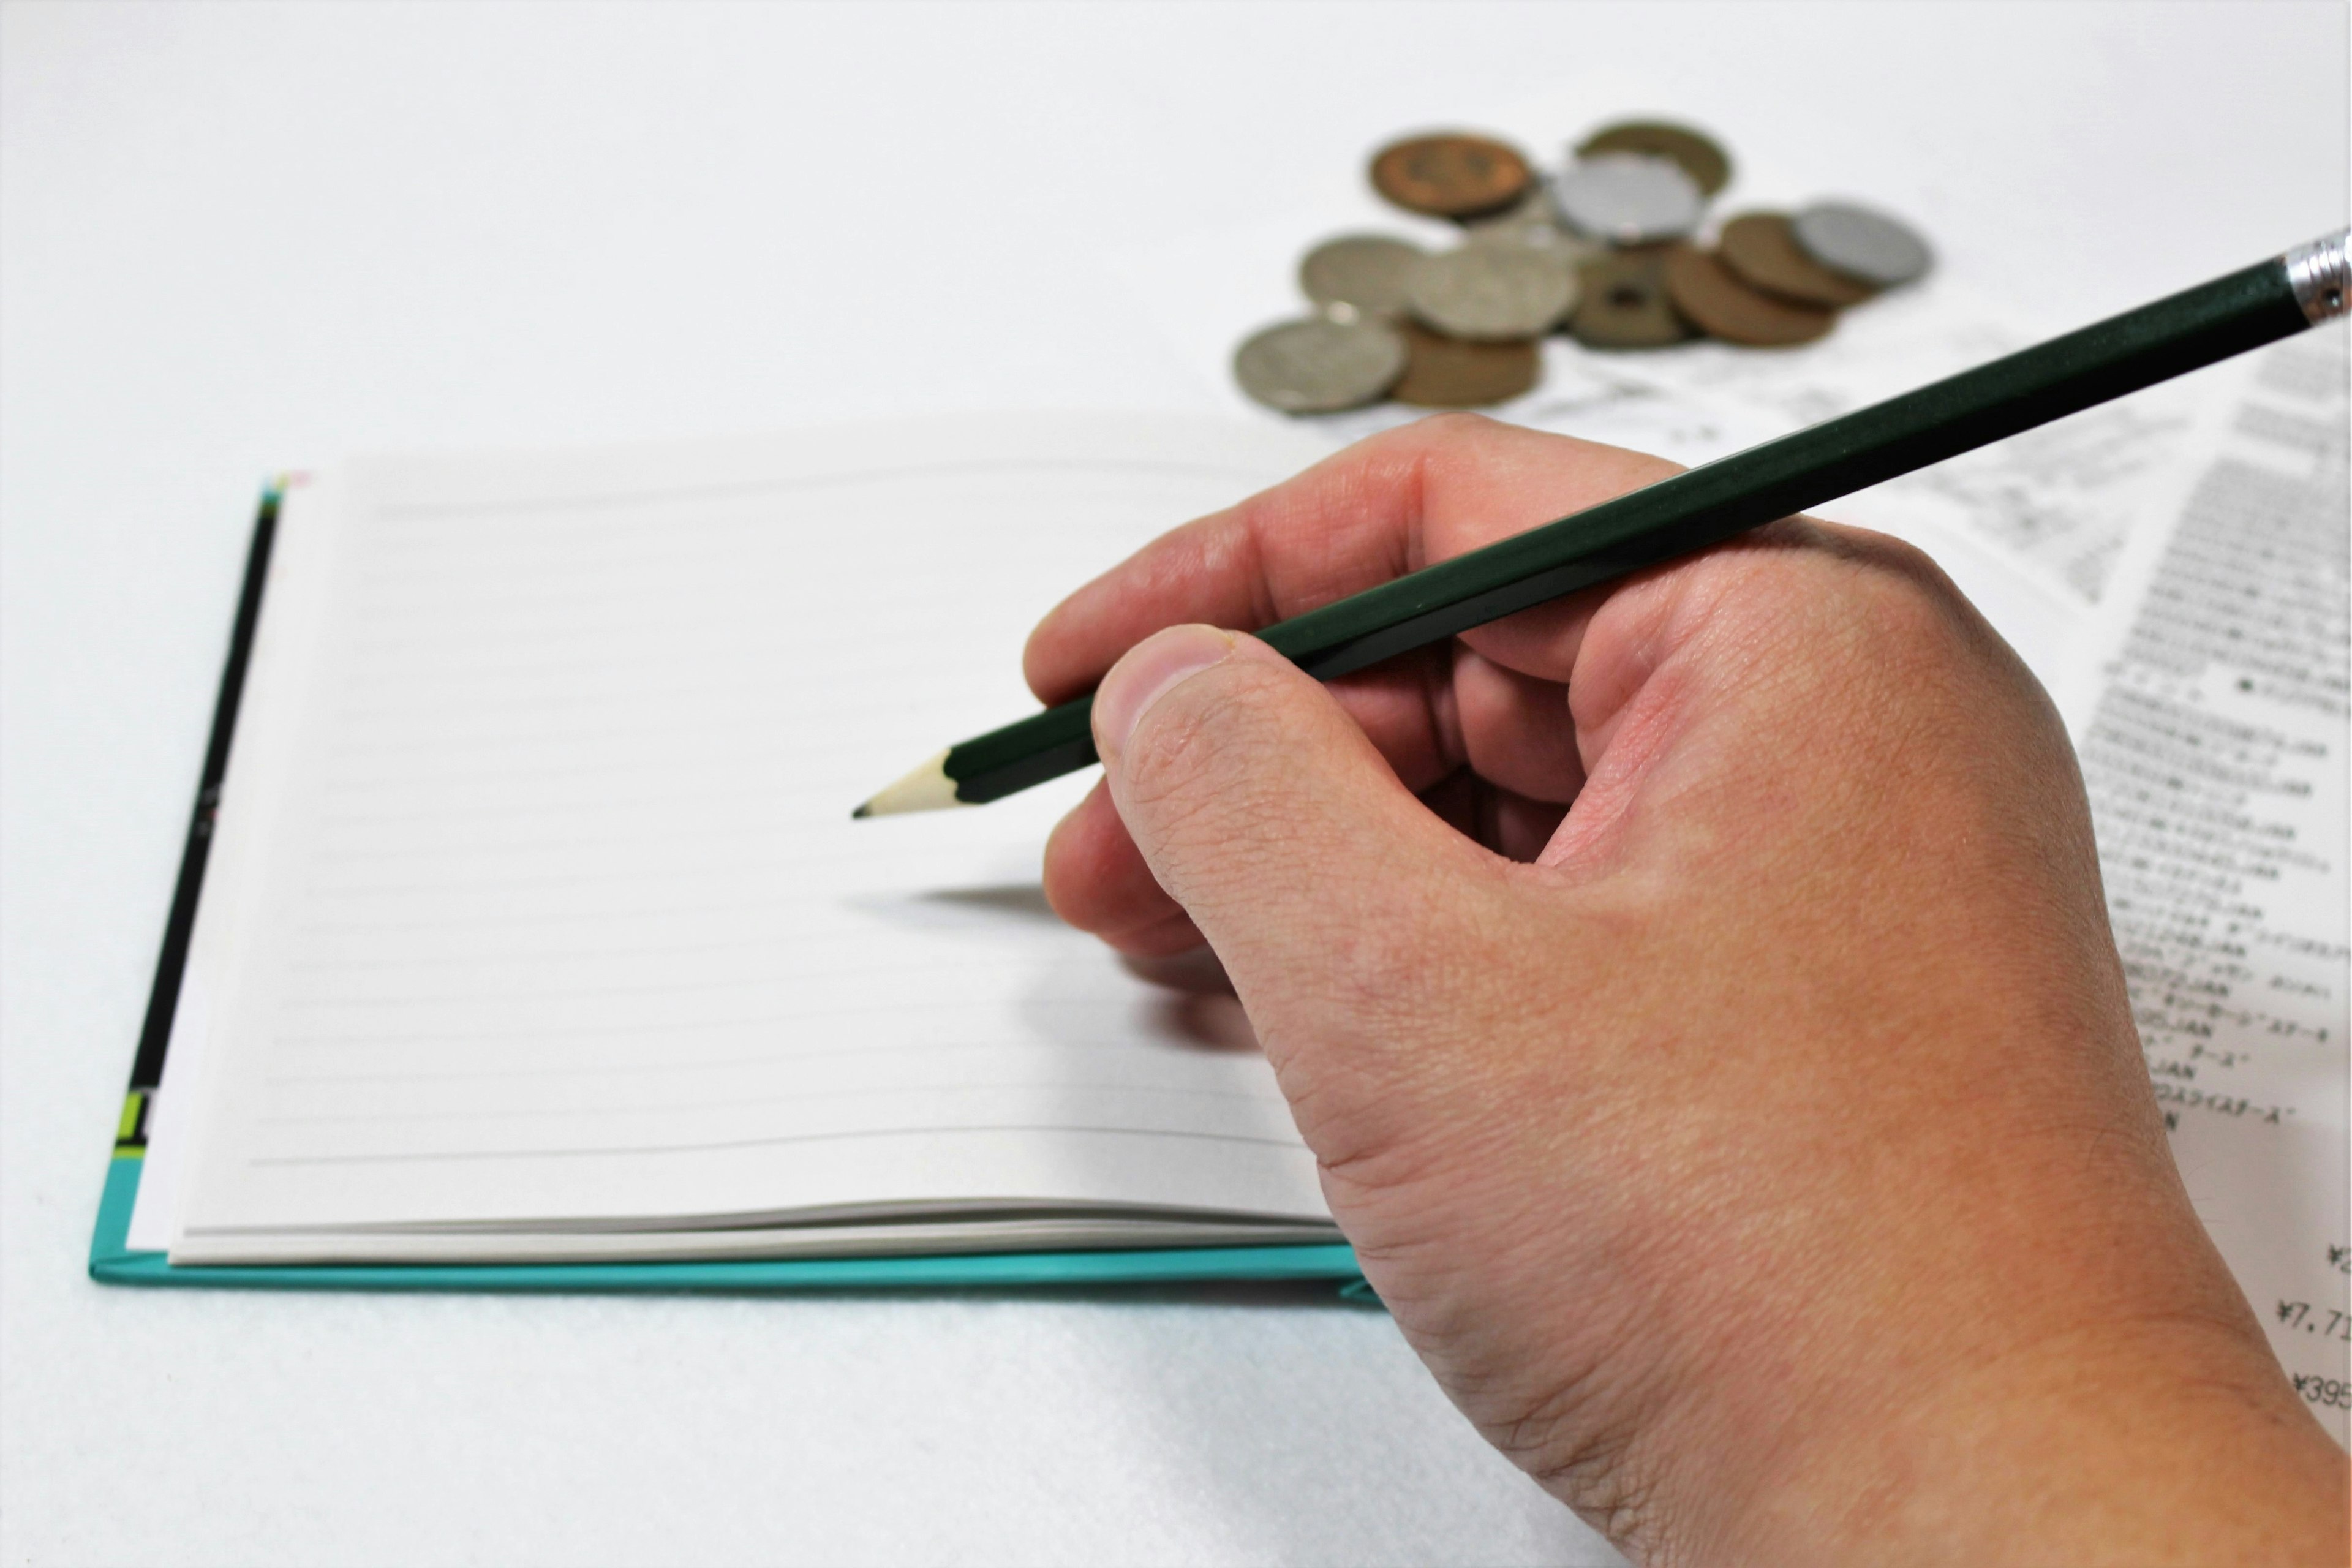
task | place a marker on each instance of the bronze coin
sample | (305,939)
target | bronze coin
(1447,373)
(1450,175)
(1624,303)
(1706,292)
(1761,249)
(1700,156)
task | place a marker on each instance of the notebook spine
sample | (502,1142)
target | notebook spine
(171,963)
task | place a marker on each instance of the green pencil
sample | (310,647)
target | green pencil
(1705,505)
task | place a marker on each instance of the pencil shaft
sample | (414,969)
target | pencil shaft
(1705,505)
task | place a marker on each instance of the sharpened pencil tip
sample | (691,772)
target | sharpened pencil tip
(928,788)
(861,811)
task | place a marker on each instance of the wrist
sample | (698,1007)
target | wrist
(2156,1442)
(2037,1357)
(2113,1435)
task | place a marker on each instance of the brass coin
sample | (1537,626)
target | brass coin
(1625,304)
(1447,373)
(1700,156)
(1450,175)
(1706,292)
(1760,249)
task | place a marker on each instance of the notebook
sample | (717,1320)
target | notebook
(525,938)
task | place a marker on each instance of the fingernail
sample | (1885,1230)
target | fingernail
(1145,674)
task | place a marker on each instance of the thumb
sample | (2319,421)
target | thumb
(1263,811)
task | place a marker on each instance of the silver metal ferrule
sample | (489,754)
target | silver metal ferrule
(2321,276)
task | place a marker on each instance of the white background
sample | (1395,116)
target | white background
(239,238)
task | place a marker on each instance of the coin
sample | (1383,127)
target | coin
(1758,248)
(1318,365)
(1532,224)
(1490,292)
(1625,304)
(1628,198)
(1447,373)
(1861,243)
(1698,155)
(1706,292)
(1364,272)
(1450,175)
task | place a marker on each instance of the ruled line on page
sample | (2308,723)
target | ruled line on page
(656,1029)
(530,955)
(676,1064)
(816,1015)
(556,917)
(407,781)
(737,1102)
(492,884)
(508,844)
(539,508)
(1286,1145)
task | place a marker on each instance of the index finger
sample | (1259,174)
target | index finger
(1386,506)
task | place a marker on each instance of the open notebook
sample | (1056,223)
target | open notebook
(535,929)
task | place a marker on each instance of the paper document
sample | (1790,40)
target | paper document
(2212,732)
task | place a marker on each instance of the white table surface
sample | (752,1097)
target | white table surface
(234,240)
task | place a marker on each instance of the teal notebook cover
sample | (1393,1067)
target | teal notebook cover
(113,1262)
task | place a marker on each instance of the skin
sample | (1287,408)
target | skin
(1699,998)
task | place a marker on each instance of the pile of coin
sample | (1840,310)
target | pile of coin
(1607,250)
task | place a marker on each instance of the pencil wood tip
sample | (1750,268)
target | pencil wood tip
(928,788)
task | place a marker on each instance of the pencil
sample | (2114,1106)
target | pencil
(1708,504)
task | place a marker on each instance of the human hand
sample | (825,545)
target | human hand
(1699,997)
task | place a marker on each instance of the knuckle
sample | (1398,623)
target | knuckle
(1452,426)
(1861,599)
(1437,431)
(1902,558)
(1897,614)
(1404,459)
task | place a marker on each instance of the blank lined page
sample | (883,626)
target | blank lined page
(555,915)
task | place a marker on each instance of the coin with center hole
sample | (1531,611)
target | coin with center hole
(1628,198)
(1705,290)
(1450,175)
(1624,303)
(1365,272)
(1699,155)
(1759,247)
(1318,365)
(1862,243)
(1491,293)
(1447,373)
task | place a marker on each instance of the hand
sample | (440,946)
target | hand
(1699,997)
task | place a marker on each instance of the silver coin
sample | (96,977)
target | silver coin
(1533,224)
(1628,198)
(1364,272)
(1492,293)
(1318,365)
(1861,244)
